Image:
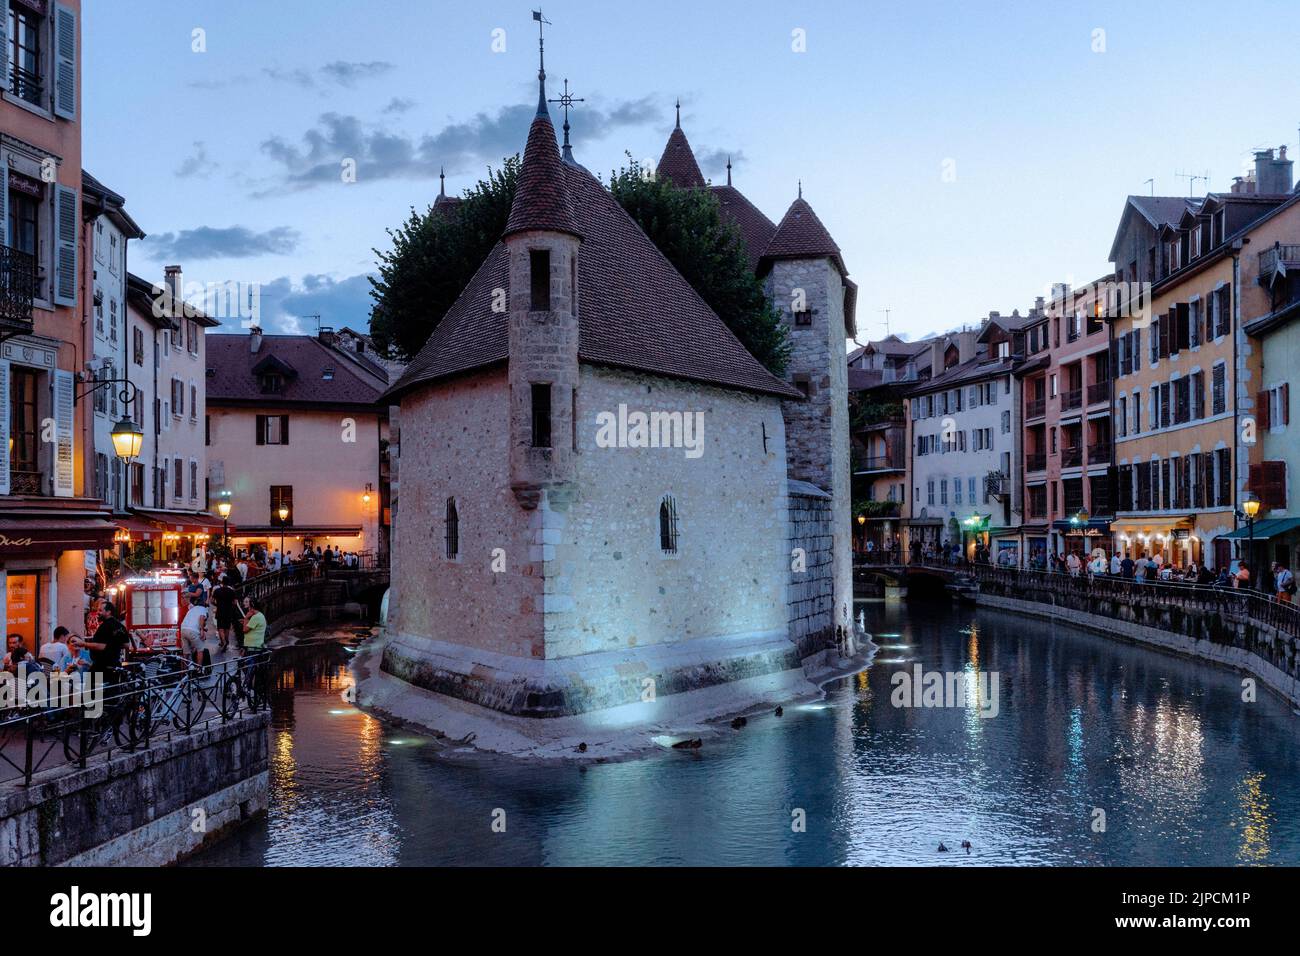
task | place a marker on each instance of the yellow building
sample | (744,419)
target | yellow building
(1182,387)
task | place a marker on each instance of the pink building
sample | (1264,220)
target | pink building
(1068,444)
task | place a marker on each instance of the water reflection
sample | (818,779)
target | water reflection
(1184,771)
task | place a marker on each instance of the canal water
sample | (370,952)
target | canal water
(1184,771)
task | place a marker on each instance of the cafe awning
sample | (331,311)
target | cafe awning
(1093,526)
(1268,528)
(183,522)
(49,536)
(137,529)
(300,531)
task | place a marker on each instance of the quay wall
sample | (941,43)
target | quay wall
(147,808)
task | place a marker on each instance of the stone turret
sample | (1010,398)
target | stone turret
(804,276)
(542,241)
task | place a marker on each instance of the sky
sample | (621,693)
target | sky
(965,156)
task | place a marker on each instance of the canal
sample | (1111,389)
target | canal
(1184,771)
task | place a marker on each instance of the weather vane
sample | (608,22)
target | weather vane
(566,100)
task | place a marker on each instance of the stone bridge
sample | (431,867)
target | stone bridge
(297,594)
(897,577)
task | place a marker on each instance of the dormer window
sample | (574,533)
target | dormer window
(272,383)
(327,373)
(539,268)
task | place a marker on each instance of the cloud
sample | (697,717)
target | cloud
(382,154)
(197,163)
(713,162)
(290,306)
(231,242)
(398,104)
(339,72)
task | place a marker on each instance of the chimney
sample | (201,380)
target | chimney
(254,338)
(175,288)
(1281,173)
(1272,176)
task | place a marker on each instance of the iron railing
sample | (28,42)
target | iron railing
(1072,399)
(1036,408)
(1098,392)
(17,289)
(1098,452)
(1072,456)
(138,704)
(1035,461)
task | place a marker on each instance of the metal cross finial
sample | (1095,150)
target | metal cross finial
(679,112)
(728,169)
(566,100)
(442,180)
(801,189)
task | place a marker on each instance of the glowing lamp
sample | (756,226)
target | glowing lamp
(127,439)
(283,512)
(1250,504)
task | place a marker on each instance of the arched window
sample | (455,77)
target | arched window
(668,525)
(453,529)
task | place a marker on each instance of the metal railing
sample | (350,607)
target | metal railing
(880,463)
(1072,399)
(1098,452)
(1035,461)
(1036,408)
(1072,456)
(137,704)
(17,288)
(1098,392)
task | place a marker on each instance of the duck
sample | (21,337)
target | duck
(780,711)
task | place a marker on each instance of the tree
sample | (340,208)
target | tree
(434,255)
(688,228)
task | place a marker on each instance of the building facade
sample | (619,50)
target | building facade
(292,421)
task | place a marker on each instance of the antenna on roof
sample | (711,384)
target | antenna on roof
(316,316)
(1191,180)
(1151,183)
(886,310)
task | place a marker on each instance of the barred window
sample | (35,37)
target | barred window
(452,529)
(668,525)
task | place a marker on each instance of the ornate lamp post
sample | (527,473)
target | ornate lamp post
(223,509)
(1250,508)
(283,512)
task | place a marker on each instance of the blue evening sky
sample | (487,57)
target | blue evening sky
(231,158)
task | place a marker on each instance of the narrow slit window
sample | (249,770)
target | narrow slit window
(668,525)
(541,415)
(539,267)
(452,529)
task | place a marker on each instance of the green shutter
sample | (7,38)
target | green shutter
(65,245)
(65,62)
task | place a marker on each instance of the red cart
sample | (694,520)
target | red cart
(154,610)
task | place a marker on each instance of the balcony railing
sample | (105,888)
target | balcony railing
(17,289)
(880,463)
(1098,392)
(1280,254)
(25,482)
(1072,399)
(1035,462)
(1036,408)
(1098,452)
(1072,457)
(27,86)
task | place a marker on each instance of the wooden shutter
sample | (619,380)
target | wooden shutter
(65,245)
(1261,410)
(65,62)
(4,426)
(1284,404)
(63,414)
(1273,483)
(261,429)
(284,429)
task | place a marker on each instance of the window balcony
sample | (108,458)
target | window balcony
(27,86)
(1098,453)
(1035,462)
(1072,457)
(1098,392)
(880,463)
(1036,408)
(17,290)
(1280,257)
(26,482)
(1072,399)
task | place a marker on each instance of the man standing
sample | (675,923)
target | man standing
(1284,581)
(224,602)
(254,627)
(108,642)
(192,629)
(1126,567)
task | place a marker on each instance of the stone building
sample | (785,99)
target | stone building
(606,499)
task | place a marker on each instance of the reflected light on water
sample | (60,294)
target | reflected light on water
(1255,820)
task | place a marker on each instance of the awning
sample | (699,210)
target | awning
(1153,523)
(299,531)
(1268,528)
(48,536)
(183,522)
(137,529)
(1094,526)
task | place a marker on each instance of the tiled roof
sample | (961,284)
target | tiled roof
(232,361)
(541,196)
(1159,210)
(140,296)
(678,162)
(635,310)
(801,235)
(755,228)
(445,204)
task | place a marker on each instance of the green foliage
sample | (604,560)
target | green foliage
(687,227)
(432,260)
(875,509)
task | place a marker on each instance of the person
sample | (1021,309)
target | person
(1224,579)
(1242,578)
(56,650)
(225,603)
(1284,581)
(1205,577)
(273,564)
(1072,564)
(1116,564)
(16,652)
(109,640)
(242,566)
(1126,566)
(254,626)
(1098,566)
(194,628)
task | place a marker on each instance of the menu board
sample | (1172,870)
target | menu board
(22,608)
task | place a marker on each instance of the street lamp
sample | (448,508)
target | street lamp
(127,439)
(283,512)
(1250,507)
(223,509)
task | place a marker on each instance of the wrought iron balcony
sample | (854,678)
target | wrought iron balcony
(27,86)
(1036,408)
(25,482)
(17,289)
(881,463)
(1098,453)
(1035,462)
(1072,457)
(1098,392)
(1072,399)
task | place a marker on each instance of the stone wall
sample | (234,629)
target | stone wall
(148,808)
(810,601)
